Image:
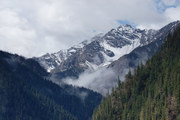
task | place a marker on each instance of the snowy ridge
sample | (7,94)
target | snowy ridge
(100,50)
(95,63)
(51,61)
(118,52)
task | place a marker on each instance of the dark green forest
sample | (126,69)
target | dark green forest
(27,94)
(152,92)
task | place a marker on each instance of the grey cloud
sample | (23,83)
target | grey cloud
(101,80)
(35,27)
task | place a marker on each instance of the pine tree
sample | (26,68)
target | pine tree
(153,91)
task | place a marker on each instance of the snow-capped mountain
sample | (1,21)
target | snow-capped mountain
(97,63)
(51,61)
(142,53)
(99,51)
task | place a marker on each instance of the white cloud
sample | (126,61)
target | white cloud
(169,2)
(32,28)
(15,34)
(173,13)
(101,80)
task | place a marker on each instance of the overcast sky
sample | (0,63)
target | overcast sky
(35,27)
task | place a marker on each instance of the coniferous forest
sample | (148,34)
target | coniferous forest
(27,94)
(152,92)
(89,59)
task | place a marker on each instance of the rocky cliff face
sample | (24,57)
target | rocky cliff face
(100,51)
(117,51)
(142,53)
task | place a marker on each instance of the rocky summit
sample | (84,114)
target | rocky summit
(117,51)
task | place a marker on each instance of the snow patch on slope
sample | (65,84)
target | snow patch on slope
(118,52)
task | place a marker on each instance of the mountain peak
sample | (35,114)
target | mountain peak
(100,50)
(125,28)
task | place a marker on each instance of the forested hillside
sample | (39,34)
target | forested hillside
(152,92)
(25,94)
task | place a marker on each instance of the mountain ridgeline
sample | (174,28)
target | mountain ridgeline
(115,52)
(142,53)
(97,52)
(27,94)
(152,92)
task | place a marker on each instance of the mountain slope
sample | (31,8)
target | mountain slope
(25,94)
(153,92)
(20,100)
(53,60)
(98,52)
(143,53)
(115,52)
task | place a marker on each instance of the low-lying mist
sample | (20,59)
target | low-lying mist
(101,80)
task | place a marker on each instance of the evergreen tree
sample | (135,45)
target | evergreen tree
(153,92)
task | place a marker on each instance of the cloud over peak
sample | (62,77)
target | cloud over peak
(32,28)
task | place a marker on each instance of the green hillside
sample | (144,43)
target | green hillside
(25,94)
(152,92)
